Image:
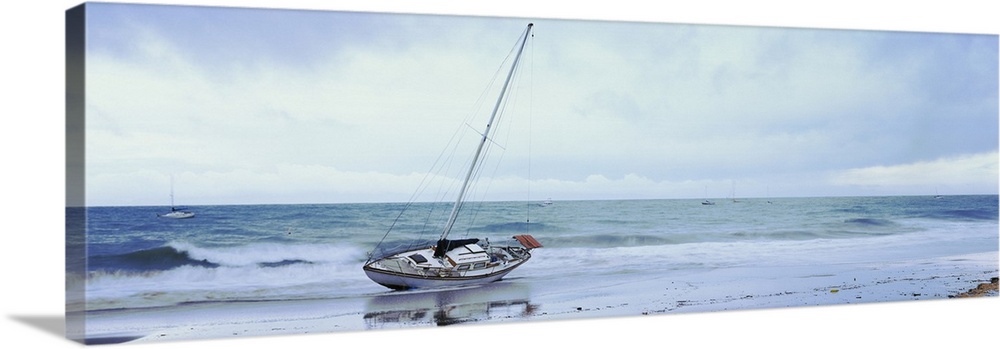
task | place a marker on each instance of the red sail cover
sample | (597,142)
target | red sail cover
(527,241)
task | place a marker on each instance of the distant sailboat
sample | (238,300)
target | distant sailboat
(175,212)
(734,192)
(707,202)
(448,263)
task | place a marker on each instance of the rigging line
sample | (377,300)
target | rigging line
(514,93)
(455,210)
(421,188)
(485,192)
(394,221)
(531,103)
(488,151)
(488,138)
(479,104)
(437,167)
(409,202)
(502,115)
(423,185)
(510,103)
(498,125)
(453,143)
(474,184)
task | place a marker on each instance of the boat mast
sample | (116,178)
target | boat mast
(171,193)
(479,149)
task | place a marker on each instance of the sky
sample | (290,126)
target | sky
(256,106)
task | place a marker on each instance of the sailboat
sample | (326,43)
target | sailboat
(461,262)
(175,212)
(734,192)
(707,202)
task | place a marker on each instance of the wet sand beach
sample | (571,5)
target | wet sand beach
(519,299)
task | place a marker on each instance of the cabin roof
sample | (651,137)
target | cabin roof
(469,253)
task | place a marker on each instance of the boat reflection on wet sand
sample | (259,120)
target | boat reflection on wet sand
(442,307)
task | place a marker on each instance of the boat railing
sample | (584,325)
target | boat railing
(517,251)
(394,249)
(401,265)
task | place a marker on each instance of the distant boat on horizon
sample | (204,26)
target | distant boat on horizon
(175,213)
(707,202)
(734,192)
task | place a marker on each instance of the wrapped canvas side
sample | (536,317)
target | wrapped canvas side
(75,162)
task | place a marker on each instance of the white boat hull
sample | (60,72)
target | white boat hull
(178,215)
(402,281)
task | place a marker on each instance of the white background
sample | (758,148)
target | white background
(32,106)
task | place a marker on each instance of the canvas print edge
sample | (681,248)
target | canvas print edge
(71,179)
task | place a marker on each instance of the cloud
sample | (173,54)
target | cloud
(618,109)
(284,184)
(974,170)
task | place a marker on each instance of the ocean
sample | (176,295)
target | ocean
(255,253)
(264,255)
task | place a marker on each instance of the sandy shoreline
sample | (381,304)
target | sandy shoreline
(522,299)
